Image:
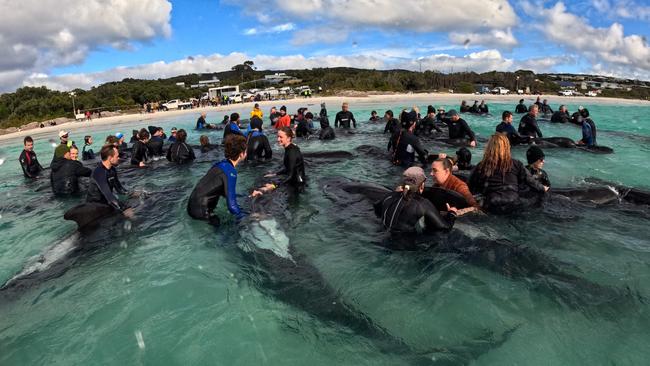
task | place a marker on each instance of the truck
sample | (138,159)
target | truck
(500,90)
(567,93)
(176,104)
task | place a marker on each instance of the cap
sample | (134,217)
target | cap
(441,108)
(414,176)
(533,154)
(119,135)
(452,113)
(174,129)
(63,133)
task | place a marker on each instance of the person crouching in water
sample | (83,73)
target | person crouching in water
(220,180)
(402,211)
(179,152)
(442,177)
(258,144)
(498,178)
(140,152)
(293,165)
(303,128)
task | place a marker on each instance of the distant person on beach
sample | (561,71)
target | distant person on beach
(28,161)
(561,116)
(344,117)
(528,124)
(521,107)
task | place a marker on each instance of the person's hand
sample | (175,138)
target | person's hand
(256,193)
(442,156)
(141,164)
(472,143)
(546,188)
(128,213)
(452,209)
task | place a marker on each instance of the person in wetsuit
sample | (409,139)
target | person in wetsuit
(528,124)
(326,131)
(86,152)
(545,108)
(535,157)
(561,115)
(180,152)
(464,108)
(403,211)
(293,165)
(344,117)
(322,115)
(220,180)
(392,124)
(28,161)
(521,107)
(498,178)
(303,129)
(464,159)
(483,108)
(206,146)
(441,172)
(405,145)
(428,123)
(588,130)
(538,103)
(156,143)
(201,123)
(506,128)
(232,128)
(373,116)
(140,152)
(258,147)
(172,136)
(474,108)
(64,177)
(459,129)
(104,181)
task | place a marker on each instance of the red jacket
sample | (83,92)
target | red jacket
(283,121)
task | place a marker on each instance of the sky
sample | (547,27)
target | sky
(67,44)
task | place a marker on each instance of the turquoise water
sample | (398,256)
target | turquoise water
(168,290)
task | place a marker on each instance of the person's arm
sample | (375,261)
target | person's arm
(354,121)
(190,152)
(119,187)
(23,164)
(231,195)
(40,168)
(524,176)
(433,220)
(422,153)
(463,189)
(468,131)
(100,178)
(169,153)
(82,171)
(291,168)
(235,129)
(539,132)
(336,120)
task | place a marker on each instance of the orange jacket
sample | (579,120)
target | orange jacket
(284,121)
(453,183)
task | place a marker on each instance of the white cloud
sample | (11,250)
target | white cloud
(626,9)
(604,46)
(495,38)
(274,29)
(319,35)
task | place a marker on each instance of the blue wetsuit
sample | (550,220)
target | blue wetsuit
(588,134)
(231,128)
(220,180)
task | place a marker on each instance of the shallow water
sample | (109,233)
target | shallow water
(168,290)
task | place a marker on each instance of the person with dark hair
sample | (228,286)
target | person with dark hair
(258,146)
(225,120)
(322,115)
(441,172)
(464,159)
(373,116)
(284,120)
(499,178)
(392,123)
(232,128)
(561,116)
(588,130)
(404,211)
(65,174)
(206,146)
(428,123)
(104,181)
(535,157)
(28,161)
(326,131)
(521,107)
(274,115)
(405,145)
(220,180)
(483,108)
(172,137)
(87,154)
(545,108)
(441,114)
(474,108)
(528,124)
(303,129)
(506,128)
(156,143)
(344,117)
(134,136)
(140,152)
(293,165)
(179,152)
(459,129)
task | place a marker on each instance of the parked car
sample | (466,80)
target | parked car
(592,93)
(500,90)
(176,104)
(237,98)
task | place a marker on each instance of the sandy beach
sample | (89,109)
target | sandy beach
(448,100)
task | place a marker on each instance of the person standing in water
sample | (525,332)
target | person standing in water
(528,124)
(459,129)
(103,182)
(65,174)
(535,157)
(86,153)
(28,161)
(219,181)
(293,167)
(521,107)
(344,117)
(506,128)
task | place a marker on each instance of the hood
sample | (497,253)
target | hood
(57,164)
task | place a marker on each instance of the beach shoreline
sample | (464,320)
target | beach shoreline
(450,101)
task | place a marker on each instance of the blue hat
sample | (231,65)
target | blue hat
(119,135)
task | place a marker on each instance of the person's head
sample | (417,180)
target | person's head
(235,148)
(463,103)
(441,170)
(453,115)
(482,102)
(545,101)
(181,135)
(538,98)
(120,135)
(310,116)
(521,101)
(441,109)
(29,143)
(475,102)
(204,140)
(256,123)
(109,155)
(283,110)
(463,158)
(506,117)
(345,107)
(63,135)
(535,157)
(431,109)
(158,132)
(584,113)
(533,110)
(373,113)
(285,136)
(413,180)
(234,117)
(274,110)
(388,114)
(112,140)
(73,154)
(143,135)
(174,131)
(563,108)
(204,114)
(256,106)
(496,157)
(88,140)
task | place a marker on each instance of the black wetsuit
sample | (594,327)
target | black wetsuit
(326,131)
(513,136)
(180,152)
(258,147)
(29,163)
(576,118)
(392,125)
(155,146)
(293,168)
(484,109)
(545,109)
(474,108)
(101,185)
(464,108)
(405,145)
(528,126)
(87,154)
(459,129)
(65,174)
(140,153)
(401,215)
(427,125)
(501,191)
(344,119)
(521,108)
(560,117)
(274,118)
(303,129)
(539,175)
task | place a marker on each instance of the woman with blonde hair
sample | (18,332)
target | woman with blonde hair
(498,178)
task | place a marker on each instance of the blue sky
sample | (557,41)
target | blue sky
(99,42)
